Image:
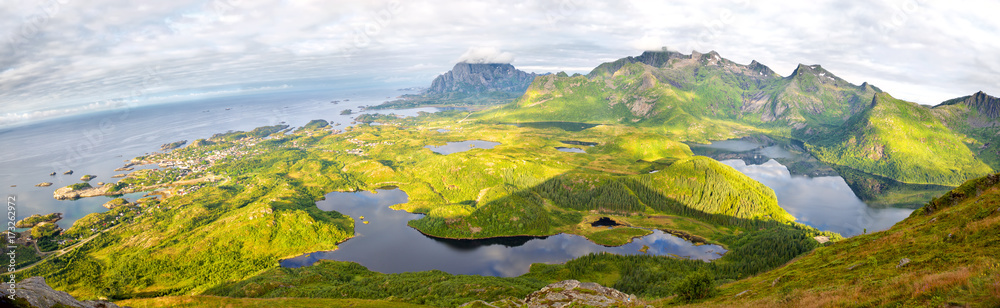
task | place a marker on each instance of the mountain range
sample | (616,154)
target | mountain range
(703,96)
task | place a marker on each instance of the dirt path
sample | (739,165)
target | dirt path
(56,253)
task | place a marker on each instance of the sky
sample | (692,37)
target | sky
(64,57)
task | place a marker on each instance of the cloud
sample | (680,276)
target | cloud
(481,55)
(73,54)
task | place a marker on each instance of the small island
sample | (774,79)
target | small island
(68,172)
(173,145)
(36,219)
(43,184)
(87,177)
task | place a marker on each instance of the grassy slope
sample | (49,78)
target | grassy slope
(902,141)
(951,244)
(199,301)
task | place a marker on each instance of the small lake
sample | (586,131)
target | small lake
(566,126)
(571,150)
(813,192)
(388,245)
(461,146)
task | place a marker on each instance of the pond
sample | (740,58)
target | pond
(461,146)
(816,193)
(571,150)
(566,126)
(386,244)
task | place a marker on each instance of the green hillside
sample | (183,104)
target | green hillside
(903,141)
(975,116)
(944,255)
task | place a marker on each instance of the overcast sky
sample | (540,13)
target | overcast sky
(62,57)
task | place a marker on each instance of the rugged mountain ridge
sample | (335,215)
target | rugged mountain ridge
(703,96)
(985,104)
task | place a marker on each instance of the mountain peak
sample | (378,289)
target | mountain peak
(761,68)
(468,77)
(986,105)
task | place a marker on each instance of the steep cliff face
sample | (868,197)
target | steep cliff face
(478,78)
(987,106)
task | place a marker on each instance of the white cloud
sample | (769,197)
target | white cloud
(480,55)
(79,53)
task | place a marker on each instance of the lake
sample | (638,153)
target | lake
(570,150)
(461,146)
(388,245)
(815,193)
(566,126)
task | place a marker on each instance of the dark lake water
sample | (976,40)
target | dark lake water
(461,146)
(386,244)
(97,143)
(813,192)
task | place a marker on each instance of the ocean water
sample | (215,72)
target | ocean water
(97,143)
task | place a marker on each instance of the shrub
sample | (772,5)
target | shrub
(697,285)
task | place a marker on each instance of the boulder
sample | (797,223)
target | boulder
(38,294)
(579,294)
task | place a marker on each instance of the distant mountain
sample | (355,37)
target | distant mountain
(471,84)
(482,78)
(678,90)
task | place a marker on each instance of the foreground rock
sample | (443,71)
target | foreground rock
(33,292)
(569,293)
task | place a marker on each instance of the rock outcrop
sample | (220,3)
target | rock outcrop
(479,78)
(575,293)
(569,293)
(71,193)
(987,105)
(33,292)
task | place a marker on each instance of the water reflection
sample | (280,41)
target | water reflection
(461,146)
(566,126)
(571,150)
(825,202)
(388,245)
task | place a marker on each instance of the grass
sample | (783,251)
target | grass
(198,301)
(617,236)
